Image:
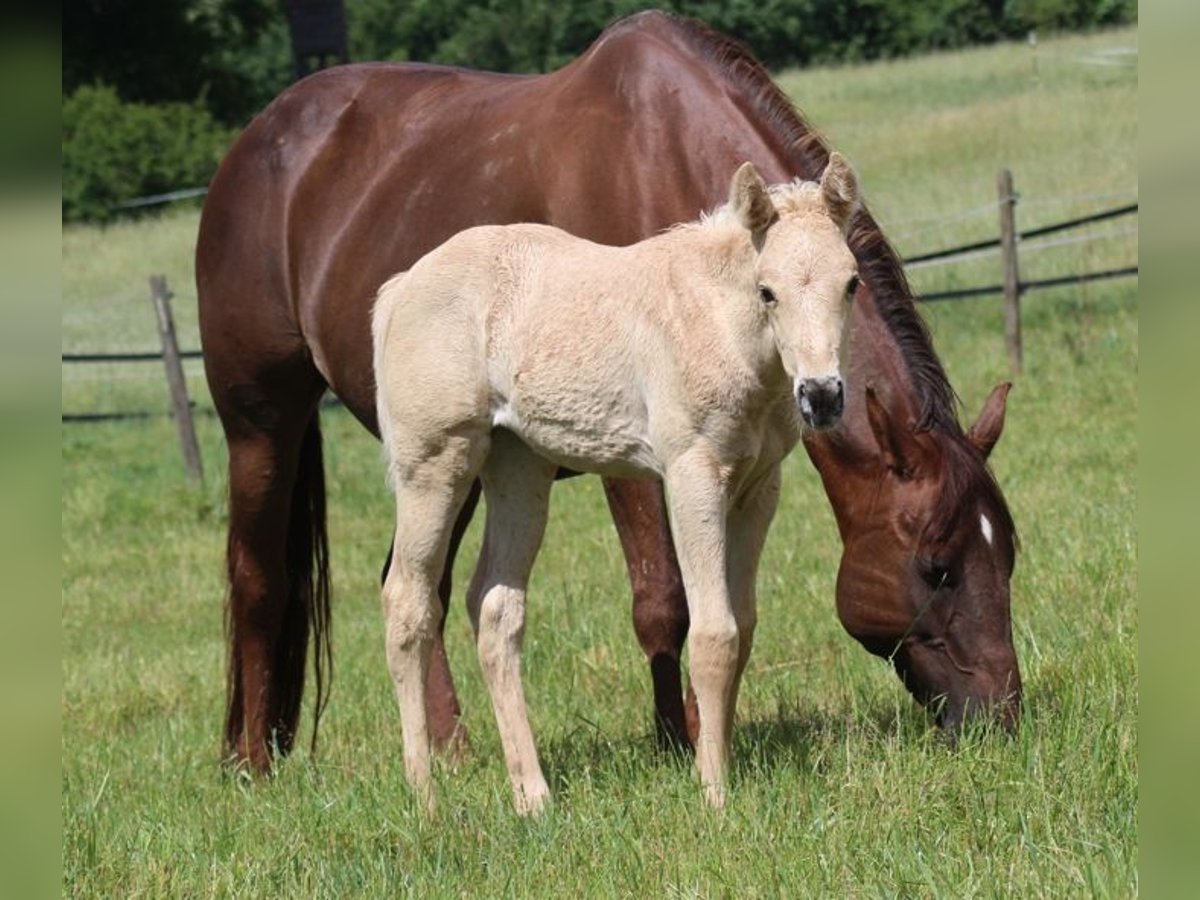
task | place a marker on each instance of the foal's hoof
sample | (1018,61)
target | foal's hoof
(533,801)
(714,794)
(426,799)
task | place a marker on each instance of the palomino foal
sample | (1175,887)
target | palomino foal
(692,357)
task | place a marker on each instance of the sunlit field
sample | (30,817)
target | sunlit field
(841,787)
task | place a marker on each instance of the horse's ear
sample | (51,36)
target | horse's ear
(986,430)
(839,188)
(897,443)
(749,200)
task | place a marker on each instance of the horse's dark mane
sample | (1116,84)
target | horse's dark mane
(965,475)
(879,268)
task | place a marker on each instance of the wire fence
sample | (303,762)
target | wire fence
(907,228)
(1103,215)
(1036,284)
(148,356)
(1006,244)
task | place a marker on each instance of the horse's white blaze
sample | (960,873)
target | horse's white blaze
(985,526)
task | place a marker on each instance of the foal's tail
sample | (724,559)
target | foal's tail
(381,323)
(305,610)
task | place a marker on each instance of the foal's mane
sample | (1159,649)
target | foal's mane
(879,267)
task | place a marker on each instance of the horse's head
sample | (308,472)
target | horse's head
(804,275)
(924,579)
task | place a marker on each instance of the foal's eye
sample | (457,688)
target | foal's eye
(852,286)
(766,295)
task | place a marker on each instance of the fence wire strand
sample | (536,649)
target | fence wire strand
(83,373)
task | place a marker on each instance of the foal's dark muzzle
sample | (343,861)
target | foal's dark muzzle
(821,400)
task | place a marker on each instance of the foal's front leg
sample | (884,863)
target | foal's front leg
(749,518)
(696,495)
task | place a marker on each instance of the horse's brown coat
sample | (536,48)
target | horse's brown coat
(356,172)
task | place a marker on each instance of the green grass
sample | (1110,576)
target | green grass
(841,786)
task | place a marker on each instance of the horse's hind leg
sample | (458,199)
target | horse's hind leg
(517,485)
(660,615)
(429,494)
(278,581)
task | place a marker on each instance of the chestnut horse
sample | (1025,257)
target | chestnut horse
(357,171)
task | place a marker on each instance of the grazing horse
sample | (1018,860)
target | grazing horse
(638,133)
(690,357)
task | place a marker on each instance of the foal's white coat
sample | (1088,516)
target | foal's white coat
(510,351)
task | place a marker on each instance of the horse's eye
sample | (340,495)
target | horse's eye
(852,286)
(766,294)
(935,573)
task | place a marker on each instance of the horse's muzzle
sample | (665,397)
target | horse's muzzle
(821,400)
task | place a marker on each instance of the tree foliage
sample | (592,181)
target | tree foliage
(114,151)
(235,53)
(230,54)
(228,58)
(538,35)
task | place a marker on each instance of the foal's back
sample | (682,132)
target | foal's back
(528,328)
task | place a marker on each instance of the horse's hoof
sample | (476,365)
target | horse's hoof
(455,749)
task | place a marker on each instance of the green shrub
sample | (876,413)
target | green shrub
(114,151)
(1063,15)
(538,35)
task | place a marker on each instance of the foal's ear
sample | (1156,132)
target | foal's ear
(749,200)
(986,430)
(897,443)
(839,188)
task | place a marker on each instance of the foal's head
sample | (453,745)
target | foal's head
(805,275)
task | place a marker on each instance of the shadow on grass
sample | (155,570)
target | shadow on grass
(798,739)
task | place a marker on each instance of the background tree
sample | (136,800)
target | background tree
(231,54)
(218,62)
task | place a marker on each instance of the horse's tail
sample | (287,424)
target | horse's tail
(306,610)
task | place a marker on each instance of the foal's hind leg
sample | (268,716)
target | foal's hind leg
(429,493)
(516,484)
(445,715)
(447,732)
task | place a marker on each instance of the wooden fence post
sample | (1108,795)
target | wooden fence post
(180,403)
(1012,279)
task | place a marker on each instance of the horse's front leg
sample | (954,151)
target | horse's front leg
(696,493)
(660,615)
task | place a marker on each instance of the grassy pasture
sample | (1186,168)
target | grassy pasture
(841,787)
